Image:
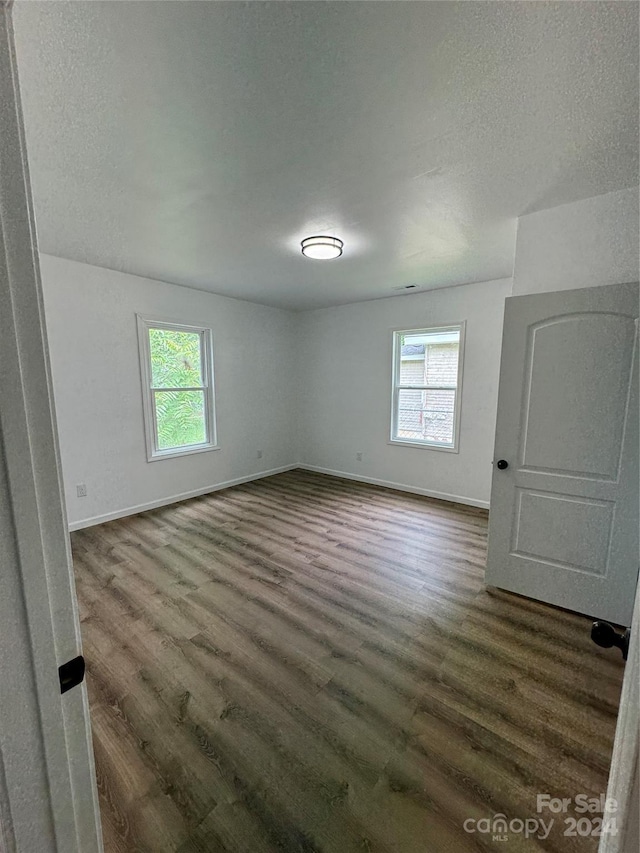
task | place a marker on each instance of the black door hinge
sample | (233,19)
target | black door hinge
(71,673)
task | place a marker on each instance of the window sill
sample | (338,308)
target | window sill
(187,451)
(423,445)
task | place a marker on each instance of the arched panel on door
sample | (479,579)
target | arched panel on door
(576,426)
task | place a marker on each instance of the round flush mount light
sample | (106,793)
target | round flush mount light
(322,248)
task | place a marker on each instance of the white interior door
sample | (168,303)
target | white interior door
(48,796)
(563,526)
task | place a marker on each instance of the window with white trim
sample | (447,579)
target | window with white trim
(427,371)
(177,388)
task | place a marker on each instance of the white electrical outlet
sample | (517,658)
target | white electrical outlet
(359,457)
(81,490)
(259,454)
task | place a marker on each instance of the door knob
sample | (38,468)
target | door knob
(605,635)
(502,464)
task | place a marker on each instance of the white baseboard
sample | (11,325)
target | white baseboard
(401,487)
(184,496)
(344,475)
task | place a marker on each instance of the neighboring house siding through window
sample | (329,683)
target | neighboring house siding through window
(426,386)
(428,415)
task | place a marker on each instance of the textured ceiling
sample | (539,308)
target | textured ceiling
(198,142)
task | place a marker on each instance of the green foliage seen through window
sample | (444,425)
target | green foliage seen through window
(176,362)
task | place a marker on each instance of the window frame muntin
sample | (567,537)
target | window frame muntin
(396,387)
(154,453)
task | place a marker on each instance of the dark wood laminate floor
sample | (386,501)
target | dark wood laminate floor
(309,664)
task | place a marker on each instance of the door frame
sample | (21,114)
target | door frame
(48,793)
(622,790)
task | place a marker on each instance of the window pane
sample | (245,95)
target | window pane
(441,366)
(426,416)
(175,359)
(181,418)
(412,364)
(429,358)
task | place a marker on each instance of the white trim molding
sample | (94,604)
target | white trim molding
(622,791)
(399,487)
(238,481)
(48,793)
(172,499)
(206,388)
(458,328)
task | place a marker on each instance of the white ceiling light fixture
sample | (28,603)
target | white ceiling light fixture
(322,248)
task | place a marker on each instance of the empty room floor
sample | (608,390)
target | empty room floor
(304,663)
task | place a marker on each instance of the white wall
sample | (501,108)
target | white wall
(345,389)
(585,244)
(312,387)
(91,324)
